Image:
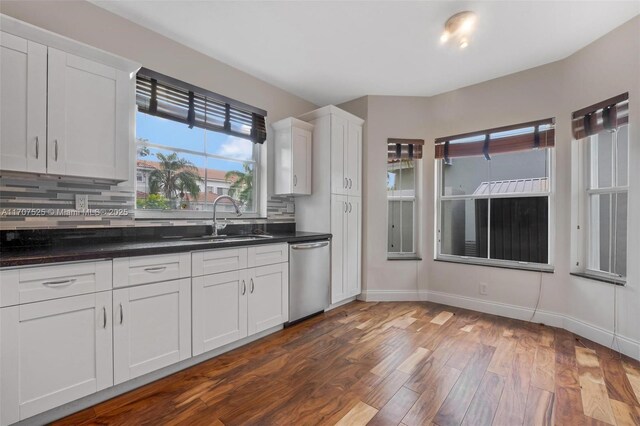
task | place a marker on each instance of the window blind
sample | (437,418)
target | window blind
(404,149)
(172,99)
(518,137)
(605,115)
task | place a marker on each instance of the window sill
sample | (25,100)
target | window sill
(613,281)
(531,267)
(414,258)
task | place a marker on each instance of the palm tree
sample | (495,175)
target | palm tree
(241,184)
(174,176)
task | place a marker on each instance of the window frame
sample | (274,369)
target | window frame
(257,161)
(413,255)
(585,250)
(500,263)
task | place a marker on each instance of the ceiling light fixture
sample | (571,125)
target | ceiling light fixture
(459,28)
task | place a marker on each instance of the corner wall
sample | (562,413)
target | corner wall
(605,68)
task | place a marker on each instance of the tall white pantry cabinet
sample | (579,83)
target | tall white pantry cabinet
(335,203)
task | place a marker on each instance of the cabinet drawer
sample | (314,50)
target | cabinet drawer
(150,269)
(33,284)
(267,255)
(216,261)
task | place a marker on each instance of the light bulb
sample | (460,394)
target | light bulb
(467,25)
(464,43)
(444,37)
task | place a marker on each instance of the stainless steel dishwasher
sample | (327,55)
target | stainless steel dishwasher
(309,279)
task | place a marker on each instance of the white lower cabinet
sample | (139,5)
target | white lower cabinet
(232,305)
(151,327)
(346,227)
(219,310)
(54,352)
(268,297)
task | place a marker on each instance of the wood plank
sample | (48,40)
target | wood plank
(384,391)
(427,405)
(540,405)
(615,378)
(442,318)
(358,415)
(485,402)
(410,363)
(633,375)
(394,410)
(595,400)
(625,415)
(503,356)
(455,406)
(513,402)
(543,376)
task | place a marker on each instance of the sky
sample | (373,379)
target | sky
(173,134)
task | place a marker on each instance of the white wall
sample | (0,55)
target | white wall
(607,67)
(90,24)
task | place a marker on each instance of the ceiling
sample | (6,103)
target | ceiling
(329,52)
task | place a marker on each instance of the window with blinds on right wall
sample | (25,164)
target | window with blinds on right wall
(494,196)
(601,132)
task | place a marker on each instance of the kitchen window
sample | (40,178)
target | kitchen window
(193,146)
(602,134)
(495,196)
(402,207)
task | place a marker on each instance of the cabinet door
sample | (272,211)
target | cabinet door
(219,310)
(353,167)
(268,297)
(353,247)
(89,117)
(339,209)
(23,105)
(301,145)
(54,352)
(339,127)
(152,327)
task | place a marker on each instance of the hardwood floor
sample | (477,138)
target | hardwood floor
(390,364)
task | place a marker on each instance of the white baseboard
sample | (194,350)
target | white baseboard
(627,346)
(393,296)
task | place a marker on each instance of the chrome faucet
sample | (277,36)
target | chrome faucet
(215,204)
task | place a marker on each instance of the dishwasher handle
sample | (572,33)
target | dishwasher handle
(309,245)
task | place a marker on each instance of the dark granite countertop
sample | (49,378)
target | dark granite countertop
(62,250)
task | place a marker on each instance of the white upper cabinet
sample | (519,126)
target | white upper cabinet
(353,159)
(67,108)
(339,180)
(23,104)
(293,150)
(89,118)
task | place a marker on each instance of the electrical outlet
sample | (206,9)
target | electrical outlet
(484,289)
(82,202)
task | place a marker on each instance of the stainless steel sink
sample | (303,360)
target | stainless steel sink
(227,238)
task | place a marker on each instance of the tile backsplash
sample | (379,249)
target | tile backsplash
(29,201)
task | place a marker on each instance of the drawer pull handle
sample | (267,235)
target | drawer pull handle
(253,287)
(59,283)
(121,314)
(244,287)
(37,147)
(104,317)
(155,269)
(56,149)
